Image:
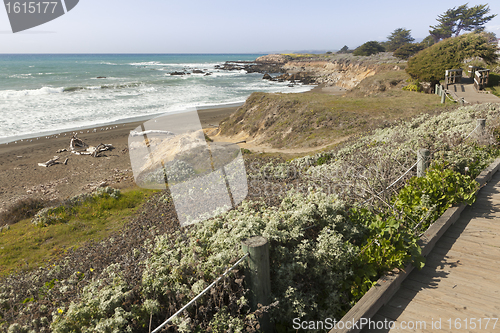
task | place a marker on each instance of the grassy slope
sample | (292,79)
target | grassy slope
(27,246)
(310,120)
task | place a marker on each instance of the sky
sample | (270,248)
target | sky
(221,26)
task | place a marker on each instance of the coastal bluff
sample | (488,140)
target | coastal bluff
(344,70)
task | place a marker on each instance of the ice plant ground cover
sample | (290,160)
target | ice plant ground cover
(334,222)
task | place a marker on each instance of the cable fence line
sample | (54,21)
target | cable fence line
(478,125)
(393,183)
(200,294)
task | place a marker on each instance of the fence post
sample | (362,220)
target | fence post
(258,277)
(423,158)
(436,89)
(443,97)
(481,124)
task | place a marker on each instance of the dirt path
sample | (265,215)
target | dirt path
(250,145)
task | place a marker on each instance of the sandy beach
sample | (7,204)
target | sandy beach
(21,177)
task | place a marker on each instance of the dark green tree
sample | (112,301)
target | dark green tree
(431,63)
(369,48)
(461,18)
(408,50)
(344,49)
(398,38)
(428,41)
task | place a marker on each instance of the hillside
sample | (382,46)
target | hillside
(316,119)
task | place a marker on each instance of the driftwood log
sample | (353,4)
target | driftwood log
(94,151)
(101,148)
(50,162)
(76,143)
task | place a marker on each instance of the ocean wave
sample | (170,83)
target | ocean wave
(19,76)
(31,92)
(105,86)
(148,63)
(181,64)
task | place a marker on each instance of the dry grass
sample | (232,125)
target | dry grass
(312,120)
(21,210)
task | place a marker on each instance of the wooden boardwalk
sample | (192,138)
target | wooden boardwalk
(461,279)
(466,90)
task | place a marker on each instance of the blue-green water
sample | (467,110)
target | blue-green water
(49,93)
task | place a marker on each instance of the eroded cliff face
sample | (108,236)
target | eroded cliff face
(345,75)
(344,71)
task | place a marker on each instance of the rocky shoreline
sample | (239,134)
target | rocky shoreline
(345,71)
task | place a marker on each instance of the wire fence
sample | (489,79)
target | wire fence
(200,294)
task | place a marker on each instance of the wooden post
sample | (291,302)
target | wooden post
(443,97)
(481,123)
(436,89)
(423,157)
(257,277)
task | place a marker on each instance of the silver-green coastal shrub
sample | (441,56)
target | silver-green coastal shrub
(100,307)
(306,274)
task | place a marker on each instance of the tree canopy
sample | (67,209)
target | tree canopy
(431,63)
(369,48)
(408,50)
(398,38)
(461,18)
(344,49)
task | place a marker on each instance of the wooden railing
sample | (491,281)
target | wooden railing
(481,79)
(452,76)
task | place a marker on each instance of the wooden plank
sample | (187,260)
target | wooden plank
(441,305)
(480,250)
(422,311)
(438,228)
(467,257)
(464,286)
(434,260)
(453,295)
(373,300)
(441,277)
(480,239)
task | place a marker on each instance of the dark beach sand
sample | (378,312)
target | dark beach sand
(21,177)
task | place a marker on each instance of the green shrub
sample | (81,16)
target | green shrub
(424,199)
(87,206)
(368,49)
(414,86)
(408,50)
(431,63)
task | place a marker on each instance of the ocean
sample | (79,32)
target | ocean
(43,94)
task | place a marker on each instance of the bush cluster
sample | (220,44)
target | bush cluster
(59,214)
(431,63)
